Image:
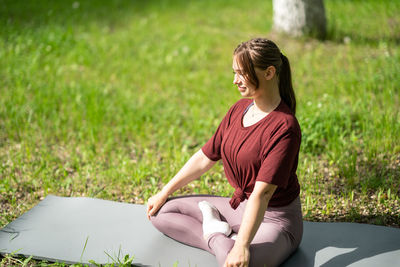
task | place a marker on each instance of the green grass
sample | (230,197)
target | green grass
(110,98)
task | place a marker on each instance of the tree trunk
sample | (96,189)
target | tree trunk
(300,17)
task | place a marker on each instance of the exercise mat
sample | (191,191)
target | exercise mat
(80,230)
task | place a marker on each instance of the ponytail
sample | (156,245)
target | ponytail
(285,84)
(262,53)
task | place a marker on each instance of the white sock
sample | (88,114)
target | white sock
(212,221)
(233,236)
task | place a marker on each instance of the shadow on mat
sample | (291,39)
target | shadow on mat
(341,244)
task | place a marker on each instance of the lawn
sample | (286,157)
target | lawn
(108,99)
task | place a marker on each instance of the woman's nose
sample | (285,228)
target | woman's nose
(235,79)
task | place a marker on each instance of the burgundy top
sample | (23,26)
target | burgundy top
(266,151)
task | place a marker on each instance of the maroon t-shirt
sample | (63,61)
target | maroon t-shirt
(266,151)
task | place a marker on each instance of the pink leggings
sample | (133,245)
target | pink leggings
(277,238)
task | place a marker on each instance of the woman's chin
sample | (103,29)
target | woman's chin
(244,93)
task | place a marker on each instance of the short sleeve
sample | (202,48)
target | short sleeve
(212,149)
(280,159)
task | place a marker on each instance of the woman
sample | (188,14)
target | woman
(258,141)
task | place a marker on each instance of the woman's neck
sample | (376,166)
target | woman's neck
(268,99)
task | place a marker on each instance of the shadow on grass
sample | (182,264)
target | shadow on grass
(339,36)
(17,15)
(370,174)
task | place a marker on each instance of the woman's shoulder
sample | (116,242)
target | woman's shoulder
(285,120)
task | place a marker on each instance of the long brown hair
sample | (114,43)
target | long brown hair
(262,53)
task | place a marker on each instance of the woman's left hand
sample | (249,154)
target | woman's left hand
(239,256)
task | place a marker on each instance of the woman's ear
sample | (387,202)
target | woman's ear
(269,73)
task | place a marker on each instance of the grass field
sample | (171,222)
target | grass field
(108,99)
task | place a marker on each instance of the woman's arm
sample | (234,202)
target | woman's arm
(252,218)
(193,169)
(198,164)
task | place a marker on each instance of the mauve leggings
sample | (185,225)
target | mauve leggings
(278,236)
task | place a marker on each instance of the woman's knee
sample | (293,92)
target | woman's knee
(156,220)
(265,259)
(175,207)
(271,251)
(170,206)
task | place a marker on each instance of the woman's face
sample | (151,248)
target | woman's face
(246,88)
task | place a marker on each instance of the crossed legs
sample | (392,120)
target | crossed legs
(181,219)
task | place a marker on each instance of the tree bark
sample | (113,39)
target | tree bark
(300,17)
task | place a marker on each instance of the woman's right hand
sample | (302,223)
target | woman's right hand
(155,202)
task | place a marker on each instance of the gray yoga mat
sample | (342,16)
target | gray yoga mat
(74,230)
